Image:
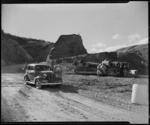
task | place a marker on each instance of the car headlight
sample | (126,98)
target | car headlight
(45,75)
(58,75)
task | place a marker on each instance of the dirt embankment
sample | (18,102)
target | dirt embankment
(26,103)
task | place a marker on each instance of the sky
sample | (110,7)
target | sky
(103,27)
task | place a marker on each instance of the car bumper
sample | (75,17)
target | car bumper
(51,84)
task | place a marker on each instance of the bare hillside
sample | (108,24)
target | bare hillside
(37,49)
(12,52)
(141,50)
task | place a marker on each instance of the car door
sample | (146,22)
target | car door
(28,72)
(37,71)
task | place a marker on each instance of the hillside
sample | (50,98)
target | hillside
(141,50)
(12,52)
(36,49)
(136,60)
(16,50)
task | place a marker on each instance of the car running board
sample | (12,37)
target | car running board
(30,82)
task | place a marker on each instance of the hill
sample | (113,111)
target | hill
(137,59)
(141,50)
(37,50)
(12,52)
(16,50)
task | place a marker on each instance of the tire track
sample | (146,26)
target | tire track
(85,111)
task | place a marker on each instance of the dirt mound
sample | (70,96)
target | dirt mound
(67,46)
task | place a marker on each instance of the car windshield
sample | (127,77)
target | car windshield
(42,68)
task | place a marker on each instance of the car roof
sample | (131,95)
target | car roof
(37,64)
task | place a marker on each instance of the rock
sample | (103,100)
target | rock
(67,46)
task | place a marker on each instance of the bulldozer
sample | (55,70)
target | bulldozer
(85,68)
(105,68)
(116,68)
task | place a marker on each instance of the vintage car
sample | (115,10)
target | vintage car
(42,74)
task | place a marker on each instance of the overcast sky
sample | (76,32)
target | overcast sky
(103,27)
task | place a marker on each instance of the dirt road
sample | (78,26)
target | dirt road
(22,102)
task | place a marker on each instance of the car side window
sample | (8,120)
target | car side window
(32,68)
(29,67)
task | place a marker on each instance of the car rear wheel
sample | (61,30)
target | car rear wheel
(37,84)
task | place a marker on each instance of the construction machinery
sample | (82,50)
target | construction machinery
(116,68)
(89,68)
(105,68)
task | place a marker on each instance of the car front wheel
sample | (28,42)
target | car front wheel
(26,79)
(37,84)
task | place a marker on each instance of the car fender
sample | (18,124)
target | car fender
(25,77)
(37,77)
(25,74)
